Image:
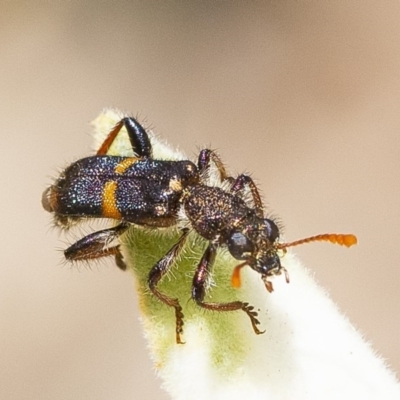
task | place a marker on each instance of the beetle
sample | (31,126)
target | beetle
(141,190)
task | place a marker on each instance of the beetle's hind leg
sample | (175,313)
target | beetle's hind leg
(95,246)
(138,137)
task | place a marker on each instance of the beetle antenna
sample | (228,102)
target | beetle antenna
(336,238)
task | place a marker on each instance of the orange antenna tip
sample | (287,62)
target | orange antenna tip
(350,240)
(338,238)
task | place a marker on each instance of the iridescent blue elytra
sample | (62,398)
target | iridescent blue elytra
(140,191)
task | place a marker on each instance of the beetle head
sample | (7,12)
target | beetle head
(256,243)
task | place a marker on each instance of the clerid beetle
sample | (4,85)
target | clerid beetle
(141,190)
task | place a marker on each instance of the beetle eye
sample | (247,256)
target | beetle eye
(271,230)
(240,246)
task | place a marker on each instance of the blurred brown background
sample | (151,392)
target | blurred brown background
(304,95)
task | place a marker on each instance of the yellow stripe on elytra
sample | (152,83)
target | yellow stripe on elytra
(125,164)
(109,204)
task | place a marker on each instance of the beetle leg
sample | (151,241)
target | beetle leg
(157,273)
(238,184)
(95,246)
(199,290)
(204,161)
(243,181)
(138,137)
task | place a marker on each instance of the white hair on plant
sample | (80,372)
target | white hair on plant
(309,349)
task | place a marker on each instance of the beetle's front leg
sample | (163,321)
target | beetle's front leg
(199,290)
(158,272)
(204,161)
(95,246)
(238,186)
